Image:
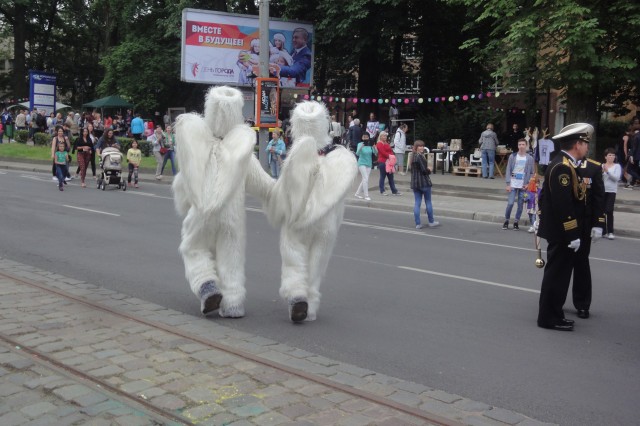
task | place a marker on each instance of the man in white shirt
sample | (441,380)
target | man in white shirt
(400,146)
(519,171)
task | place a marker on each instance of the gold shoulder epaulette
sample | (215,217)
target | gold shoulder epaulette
(594,162)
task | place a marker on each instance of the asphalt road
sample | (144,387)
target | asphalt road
(452,308)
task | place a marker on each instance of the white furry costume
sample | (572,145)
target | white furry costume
(307,201)
(214,155)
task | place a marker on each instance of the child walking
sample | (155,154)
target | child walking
(533,193)
(134,157)
(60,159)
(611,173)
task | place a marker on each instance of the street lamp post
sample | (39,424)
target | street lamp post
(263,135)
(81,87)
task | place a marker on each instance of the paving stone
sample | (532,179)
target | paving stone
(94,410)
(407,398)
(90,399)
(9,389)
(504,416)
(136,386)
(141,374)
(354,420)
(353,370)
(202,411)
(240,401)
(108,353)
(169,402)
(72,391)
(250,410)
(20,364)
(109,370)
(449,398)
(133,420)
(38,409)
(282,400)
(472,406)
(271,419)
(411,387)
(297,410)
(337,397)
(13,418)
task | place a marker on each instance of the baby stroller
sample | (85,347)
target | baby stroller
(111,165)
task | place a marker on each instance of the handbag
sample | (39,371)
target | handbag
(163,150)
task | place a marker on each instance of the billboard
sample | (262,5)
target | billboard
(42,91)
(224,48)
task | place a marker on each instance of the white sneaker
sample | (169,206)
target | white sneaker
(359,196)
(367,198)
(419,226)
(67,179)
(531,230)
(433,224)
(611,236)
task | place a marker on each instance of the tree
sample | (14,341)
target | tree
(589,49)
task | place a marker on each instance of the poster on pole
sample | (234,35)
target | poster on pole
(42,91)
(224,48)
(267,102)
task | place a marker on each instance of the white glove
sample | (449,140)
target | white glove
(596,233)
(575,244)
(536,224)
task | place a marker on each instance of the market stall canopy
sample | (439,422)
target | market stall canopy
(113,101)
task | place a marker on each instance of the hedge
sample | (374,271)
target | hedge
(42,139)
(21,136)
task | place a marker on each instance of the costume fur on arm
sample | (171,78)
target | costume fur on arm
(207,161)
(259,183)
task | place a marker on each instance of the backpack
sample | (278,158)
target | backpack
(41,122)
(635,148)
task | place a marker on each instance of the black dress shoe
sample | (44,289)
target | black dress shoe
(583,313)
(561,326)
(567,321)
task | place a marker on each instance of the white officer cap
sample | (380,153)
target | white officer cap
(582,131)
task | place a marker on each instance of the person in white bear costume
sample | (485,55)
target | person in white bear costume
(307,202)
(215,152)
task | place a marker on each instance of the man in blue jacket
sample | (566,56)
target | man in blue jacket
(301,55)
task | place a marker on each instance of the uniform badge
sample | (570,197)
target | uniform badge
(564,180)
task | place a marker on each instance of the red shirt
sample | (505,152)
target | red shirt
(384,151)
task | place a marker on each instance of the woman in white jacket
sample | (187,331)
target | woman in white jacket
(400,146)
(611,173)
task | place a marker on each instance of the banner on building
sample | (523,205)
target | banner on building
(224,48)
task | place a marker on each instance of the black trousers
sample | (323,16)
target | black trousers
(581,289)
(555,283)
(609,201)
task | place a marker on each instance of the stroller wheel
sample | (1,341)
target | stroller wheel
(124,186)
(104,186)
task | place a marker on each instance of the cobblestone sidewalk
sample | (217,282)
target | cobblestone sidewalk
(160,366)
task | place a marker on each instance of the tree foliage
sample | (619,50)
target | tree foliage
(587,48)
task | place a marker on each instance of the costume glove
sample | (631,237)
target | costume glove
(536,224)
(596,234)
(575,244)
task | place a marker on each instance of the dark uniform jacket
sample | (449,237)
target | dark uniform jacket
(562,201)
(590,172)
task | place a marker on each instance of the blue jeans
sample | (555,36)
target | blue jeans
(382,167)
(169,155)
(418,195)
(275,168)
(488,161)
(61,173)
(512,196)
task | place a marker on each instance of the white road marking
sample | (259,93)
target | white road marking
(91,211)
(473,280)
(421,233)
